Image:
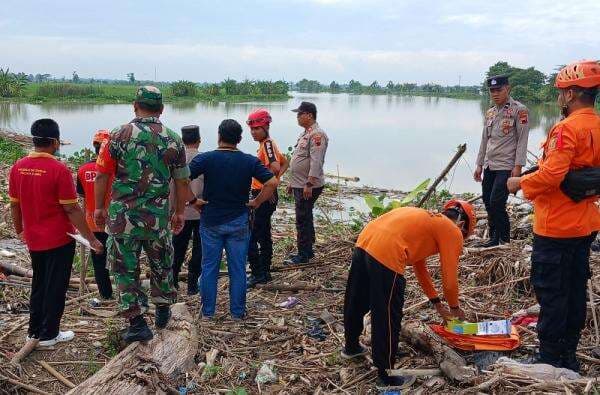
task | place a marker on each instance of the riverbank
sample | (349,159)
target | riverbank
(35,93)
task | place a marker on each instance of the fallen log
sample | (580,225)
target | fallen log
(11,268)
(143,368)
(451,363)
(27,348)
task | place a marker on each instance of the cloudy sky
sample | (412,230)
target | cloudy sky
(405,41)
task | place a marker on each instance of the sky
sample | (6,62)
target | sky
(435,41)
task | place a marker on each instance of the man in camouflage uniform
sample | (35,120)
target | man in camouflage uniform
(144,156)
(502,154)
(307,179)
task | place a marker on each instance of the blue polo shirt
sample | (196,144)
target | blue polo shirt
(227,174)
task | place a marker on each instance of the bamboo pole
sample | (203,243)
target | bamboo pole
(57,374)
(461,150)
(83,259)
(594,316)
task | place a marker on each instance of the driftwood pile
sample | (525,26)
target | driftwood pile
(291,339)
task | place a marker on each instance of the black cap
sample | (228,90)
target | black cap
(306,106)
(497,81)
(190,134)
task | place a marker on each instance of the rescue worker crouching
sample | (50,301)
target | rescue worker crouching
(564,229)
(404,236)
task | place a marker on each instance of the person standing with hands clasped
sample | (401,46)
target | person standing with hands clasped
(307,179)
(143,155)
(564,227)
(502,154)
(44,208)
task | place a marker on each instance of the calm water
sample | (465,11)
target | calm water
(387,141)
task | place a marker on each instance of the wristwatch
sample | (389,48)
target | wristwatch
(194,200)
(309,184)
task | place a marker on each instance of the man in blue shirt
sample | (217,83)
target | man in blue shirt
(224,223)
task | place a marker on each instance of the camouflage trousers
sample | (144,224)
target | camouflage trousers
(123,256)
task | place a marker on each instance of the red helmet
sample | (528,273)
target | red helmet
(258,118)
(101,136)
(585,74)
(467,208)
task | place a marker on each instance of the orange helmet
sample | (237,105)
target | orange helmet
(101,136)
(467,208)
(585,74)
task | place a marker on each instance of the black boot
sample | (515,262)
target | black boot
(176,278)
(255,279)
(138,330)
(491,242)
(192,283)
(393,383)
(551,353)
(569,356)
(163,314)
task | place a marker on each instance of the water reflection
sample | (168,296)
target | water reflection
(387,141)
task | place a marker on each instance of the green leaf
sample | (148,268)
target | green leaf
(422,187)
(372,202)
(377,211)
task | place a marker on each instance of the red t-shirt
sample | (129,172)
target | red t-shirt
(86,175)
(41,185)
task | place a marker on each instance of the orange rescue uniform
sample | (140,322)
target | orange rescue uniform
(267,153)
(407,236)
(573,143)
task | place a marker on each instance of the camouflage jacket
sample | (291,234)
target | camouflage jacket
(147,156)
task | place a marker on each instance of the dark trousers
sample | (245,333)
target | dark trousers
(495,195)
(560,269)
(373,287)
(191,230)
(51,274)
(101,273)
(260,250)
(305,228)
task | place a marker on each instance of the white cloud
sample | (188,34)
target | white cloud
(475,20)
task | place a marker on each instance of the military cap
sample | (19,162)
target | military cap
(148,94)
(306,106)
(497,81)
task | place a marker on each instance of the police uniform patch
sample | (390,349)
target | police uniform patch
(508,112)
(317,140)
(507,124)
(523,117)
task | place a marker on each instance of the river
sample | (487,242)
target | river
(387,141)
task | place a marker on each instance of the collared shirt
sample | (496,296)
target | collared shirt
(196,185)
(407,236)
(573,143)
(504,137)
(267,153)
(308,157)
(41,185)
(144,155)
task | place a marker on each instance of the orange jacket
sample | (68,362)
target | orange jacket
(407,236)
(573,143)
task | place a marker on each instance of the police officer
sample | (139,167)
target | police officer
(144,155)
(502,154)
(563,228)
(307,179)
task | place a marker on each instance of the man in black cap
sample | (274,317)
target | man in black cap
(307,179)
(502,154)
(191,228)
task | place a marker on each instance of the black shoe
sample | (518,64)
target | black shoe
(138,331)
(253,280)
(299,259)
(192,283)
(569,361)
(350,353)
(163,314)
(391,383)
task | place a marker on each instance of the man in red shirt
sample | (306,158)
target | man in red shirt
(85,188)
(44,209)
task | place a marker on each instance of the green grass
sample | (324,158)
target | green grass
(118,93)
(10,152)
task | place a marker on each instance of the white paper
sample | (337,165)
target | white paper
(81,240)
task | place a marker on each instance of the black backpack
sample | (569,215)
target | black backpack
(578,184)
(582,183)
